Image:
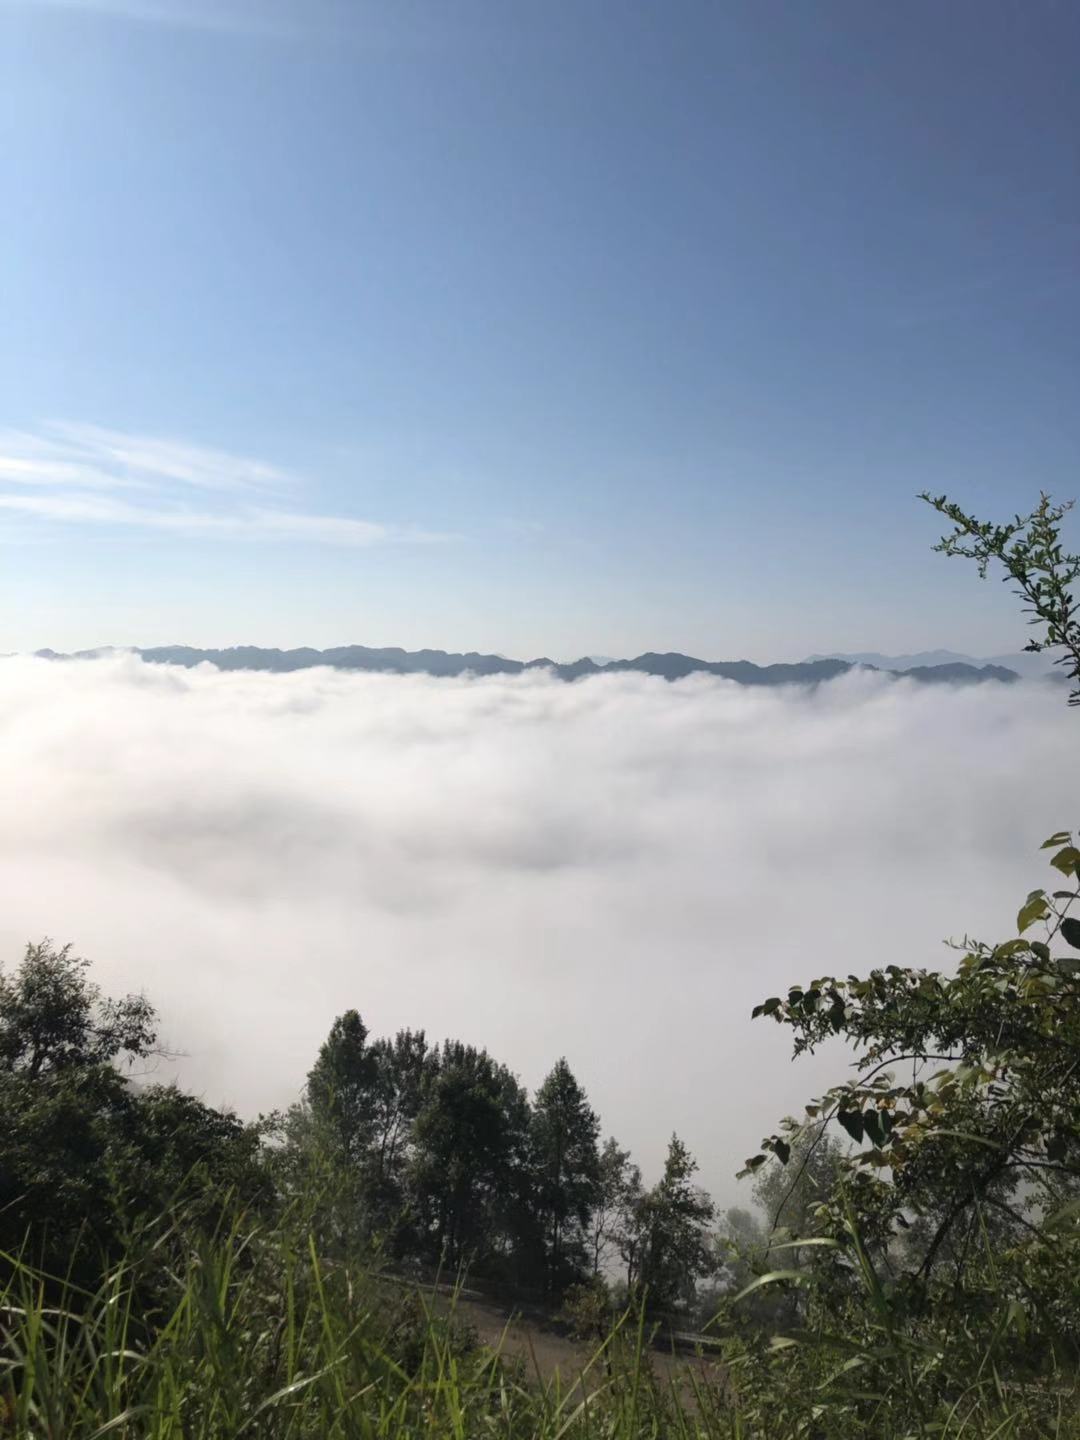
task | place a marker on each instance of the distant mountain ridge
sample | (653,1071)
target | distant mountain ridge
(1027,663)
(668,666)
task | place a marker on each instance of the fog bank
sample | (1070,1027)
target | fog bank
(615,870)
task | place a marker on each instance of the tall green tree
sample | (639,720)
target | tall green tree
(404,1068)
(565,1132)
(354,1136)
(791,1196)
(341,1088)
(63,1100)
(54,1018)
(470,1167)
(87,1156)
(670,1247)
(752,1244)
(611,1224)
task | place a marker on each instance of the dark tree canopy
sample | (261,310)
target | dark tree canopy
(52,1017)
(472,1135)
(670,1249)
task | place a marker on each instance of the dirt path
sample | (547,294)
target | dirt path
(546,1353)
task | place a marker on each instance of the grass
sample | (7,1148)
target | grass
(251,1333)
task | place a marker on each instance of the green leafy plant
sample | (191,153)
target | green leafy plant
(1030,551)
(948,1243)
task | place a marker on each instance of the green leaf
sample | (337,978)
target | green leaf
(797,1277)
(1011,947)
(782,1151)
(852,1121)
(1070,932)
(1036,908)
(964,1135)
(1061,838)
(287,1390)
(1067,860)
(817,1240)
(873,1126)
(754,1163)
(120,1420)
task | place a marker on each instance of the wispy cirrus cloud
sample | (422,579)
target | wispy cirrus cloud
(289,21)
(255,17)
(38,460)
(253,523)
(66,474)
(147,456)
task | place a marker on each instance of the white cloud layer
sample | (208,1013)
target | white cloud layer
(615,870)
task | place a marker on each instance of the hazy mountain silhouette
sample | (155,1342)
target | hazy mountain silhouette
(669,666)
(1026,663)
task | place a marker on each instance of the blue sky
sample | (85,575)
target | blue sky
(541,328)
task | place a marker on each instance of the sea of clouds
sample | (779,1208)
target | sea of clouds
(615,870)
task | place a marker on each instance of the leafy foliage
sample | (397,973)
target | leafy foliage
(470,1166)
(966,1087)
(1030,550)
(53,1018)
(85,1154)
(947,1244)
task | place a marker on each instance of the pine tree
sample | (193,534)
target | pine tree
(341,1088)
(671,1249)
(565,1131)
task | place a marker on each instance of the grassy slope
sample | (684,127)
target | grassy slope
(254,1336)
